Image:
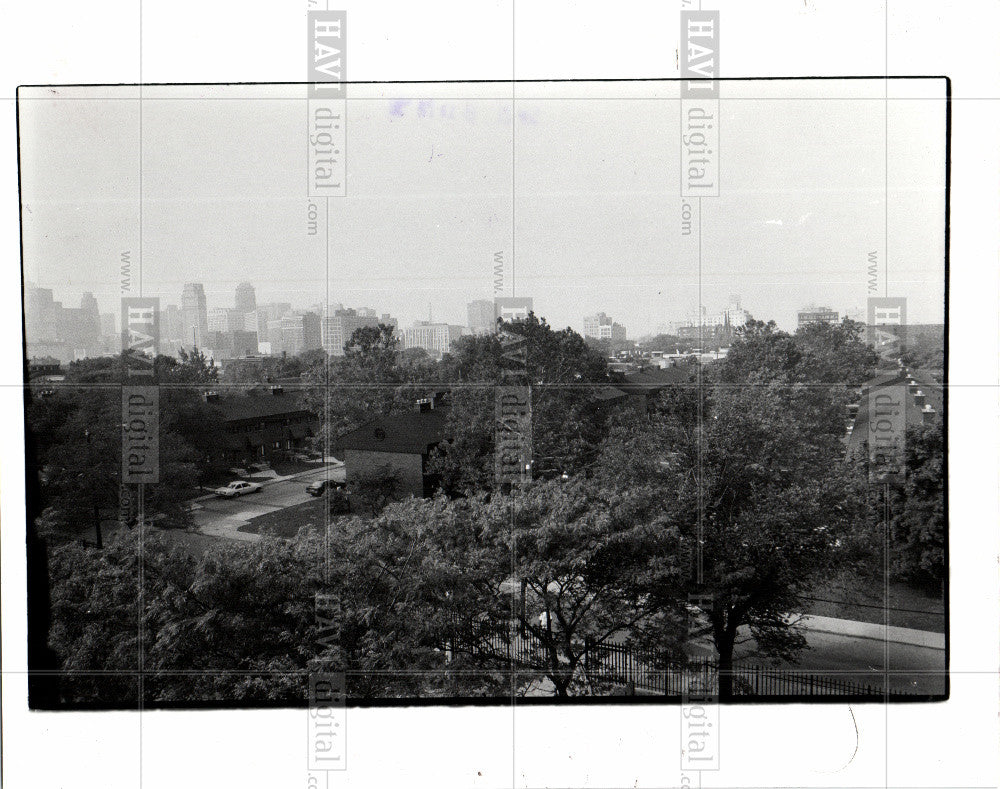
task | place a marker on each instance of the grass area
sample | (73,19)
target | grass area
(193,542)
(287,522)
(283,468)
(848,597)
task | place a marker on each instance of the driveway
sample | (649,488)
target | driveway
(219,517)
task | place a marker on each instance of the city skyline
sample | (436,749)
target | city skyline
(712,312)
(583,213)
(276,328)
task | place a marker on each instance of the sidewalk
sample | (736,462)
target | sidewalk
(874,632)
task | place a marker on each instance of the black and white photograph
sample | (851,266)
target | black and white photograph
(568,424)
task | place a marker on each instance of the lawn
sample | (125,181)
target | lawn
(864,600)
(287,522)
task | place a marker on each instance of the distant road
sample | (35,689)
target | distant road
(221,517)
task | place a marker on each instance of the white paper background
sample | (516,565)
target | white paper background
(947,745)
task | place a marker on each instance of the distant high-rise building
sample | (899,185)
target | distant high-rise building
(435,338)
(80,327)
(172,324)
(220,319)
(273,341)
(40,315)
(298,333)
(65,333)
(338,327)
(810,315)
(108,324)
(262,318)
(195,315)
(511,308)
(482,317)
(601,327)
(733,317)
(246,298)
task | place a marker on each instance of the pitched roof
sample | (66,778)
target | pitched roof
(235,409)
(932,392)
(408,432)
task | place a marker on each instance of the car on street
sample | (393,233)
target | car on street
(340,501)
(316,488)
(238,488)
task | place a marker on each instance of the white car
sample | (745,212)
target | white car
(234,489)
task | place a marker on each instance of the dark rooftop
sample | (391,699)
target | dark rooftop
(408,432)
(258,406)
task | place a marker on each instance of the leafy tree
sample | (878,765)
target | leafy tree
(367,382)
(836,353)
(567,424)
(454,568)
(917,509)
(375,488)
(818,353)
(764,502)
(246,372)
(194,368)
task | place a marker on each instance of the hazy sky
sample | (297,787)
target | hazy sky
(577,186)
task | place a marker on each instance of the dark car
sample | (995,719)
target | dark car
(316,488)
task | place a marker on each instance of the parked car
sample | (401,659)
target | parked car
(318,487)
(234,489)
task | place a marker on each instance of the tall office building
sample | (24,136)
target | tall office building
(261,319)
(83,326)
(171,329)
(435,338)
(817,315)
(40,319)
(601,327)
(511,308)
(108,325)
(65,333)
(246,298)
(338,328)
(482,317)
(195,315)
(296,333)
(221,319)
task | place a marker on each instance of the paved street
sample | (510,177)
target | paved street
(845,655)
(838,653)
(221,517)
